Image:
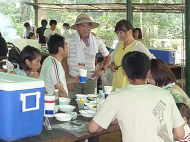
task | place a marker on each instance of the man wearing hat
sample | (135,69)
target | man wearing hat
(83,47)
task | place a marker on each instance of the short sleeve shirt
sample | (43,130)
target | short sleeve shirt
(90,61)
(40,32)
(145,113)
(52,71)
(48,32)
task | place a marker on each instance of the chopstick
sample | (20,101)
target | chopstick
(116,68)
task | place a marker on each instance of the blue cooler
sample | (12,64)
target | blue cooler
(21,106)
(167,55)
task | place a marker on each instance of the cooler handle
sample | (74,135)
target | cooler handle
(173,54)
(23,99)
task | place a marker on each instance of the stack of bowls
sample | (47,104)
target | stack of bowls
(84,98)
(64,101)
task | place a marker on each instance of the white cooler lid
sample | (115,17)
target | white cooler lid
(11,82)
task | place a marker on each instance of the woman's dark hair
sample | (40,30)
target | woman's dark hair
(184,110)
(136,65)
(123,25)
(30,35)
(53,22)
(140,32)
(29,53)
(161,73)
(54,43)
(44,22)
(26,24)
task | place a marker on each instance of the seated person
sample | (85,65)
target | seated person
(3,46)
(29,62)
(162,76)
(145,113)
(185,113)
(31,36)
(52,70)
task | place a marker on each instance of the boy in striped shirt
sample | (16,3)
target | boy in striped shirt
(52,70)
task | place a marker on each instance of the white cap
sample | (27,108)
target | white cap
(56,90)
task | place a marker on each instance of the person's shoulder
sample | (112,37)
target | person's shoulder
(13,72)
(48,60)
(40,28)
(137,43)
(58,30)
(48,63)
(70,39)
(162,93)
(48,30)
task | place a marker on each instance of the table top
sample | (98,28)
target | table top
(56,135)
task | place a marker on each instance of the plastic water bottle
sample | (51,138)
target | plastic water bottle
(81,104)
(56,93)
(100,100)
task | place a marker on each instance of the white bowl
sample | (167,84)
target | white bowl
(92,102)
(63,116)
(74,114)
(87,113)
(66,108)
(92,97)
(84,100)
(64,101)
(92,107)
(81,96)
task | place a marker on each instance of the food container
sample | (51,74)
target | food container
(167,55)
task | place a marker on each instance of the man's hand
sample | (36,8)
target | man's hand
(113,68)
(70,87)
(63,94)
(77,79)
(35,75)
(97,73)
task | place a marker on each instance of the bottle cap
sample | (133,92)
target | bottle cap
(101,91)
(56,90)
(81,101)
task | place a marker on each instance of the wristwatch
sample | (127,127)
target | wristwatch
(103,69)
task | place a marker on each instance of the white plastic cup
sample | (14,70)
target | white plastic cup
(49,105)
(83,74)
(107,90)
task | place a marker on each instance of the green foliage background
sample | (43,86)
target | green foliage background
(154,25)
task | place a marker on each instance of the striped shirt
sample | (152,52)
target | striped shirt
(90,60)
(53,73)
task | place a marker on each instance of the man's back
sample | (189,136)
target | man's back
(145,113)
(40,32)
